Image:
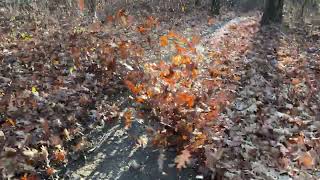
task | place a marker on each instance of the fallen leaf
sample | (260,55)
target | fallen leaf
(45,126)
(142,141)
(164,41)
(30,153)
(60,155)
(11,122)
(182,98)
(295,81)
(128,119)
(306,160)
(50,171)
(183,159)
(66,134)
(211,21)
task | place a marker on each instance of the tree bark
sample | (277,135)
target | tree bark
(215,7)
(302,8)
(197,3)
(273,12)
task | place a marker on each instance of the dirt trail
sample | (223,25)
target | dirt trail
(117,155)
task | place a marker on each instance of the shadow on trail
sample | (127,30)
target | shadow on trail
(118,157)
(260,83)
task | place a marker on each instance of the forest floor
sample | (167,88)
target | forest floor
(68,109)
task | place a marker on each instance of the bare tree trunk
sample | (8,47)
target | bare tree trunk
(197,2)
(302,8)
(215,7)
(273,12)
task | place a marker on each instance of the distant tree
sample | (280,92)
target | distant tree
(273,12)
(303,7)
(197,2)
(215,7)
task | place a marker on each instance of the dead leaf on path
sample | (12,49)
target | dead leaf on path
(66,134)
(164,41)
(211,21)
(128,119)
(306,160)
(50,171)
(30,153)
(142,141)
(45,126)
(297,139)
(185,98)
(11,122)
(183,159)
(295,81)
(60,155)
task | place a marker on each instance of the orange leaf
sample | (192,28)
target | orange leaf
(141,29)
(172,34)
(149,93)
(11,122)
(60,155)
(297,139)
(123,47)
(130,85)
(194,73)
(30,177)
(179,59)
(233,27)
(110,19)
(180,49)
(306,160)
(295,81)
(236,78)
(183,159)
(200,140)
(24,177)
(212,115)
(183,98)
(176,60)
(172,78)
(50,171)
(127,119)
(164,41)
(139,99)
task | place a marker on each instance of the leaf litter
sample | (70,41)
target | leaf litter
(243,98)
